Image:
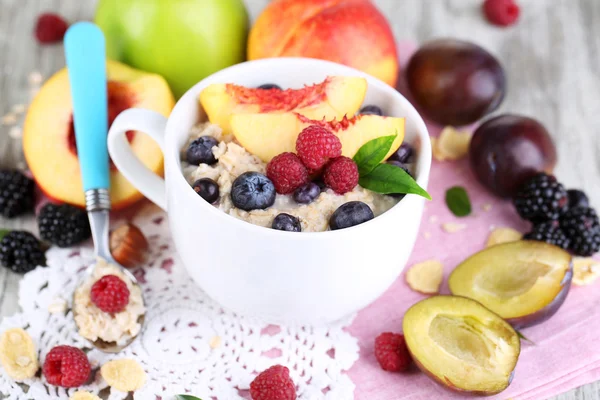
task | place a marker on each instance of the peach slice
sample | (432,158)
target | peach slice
(267,135)
(335,97)
(525,282)
(49,136)
(461,345)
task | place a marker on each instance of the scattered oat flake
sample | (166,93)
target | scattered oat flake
(58,306)
(19,108)
(125,375)
(452,227)
(487,207)
(9,119)
(15,132)
(433,219)
(84,396)
(427,235)
(503,235)
(451,145)
(585,270)
(425,277)
(215,342)
(35,78)
(18,355)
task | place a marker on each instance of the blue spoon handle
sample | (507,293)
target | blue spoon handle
(86,62)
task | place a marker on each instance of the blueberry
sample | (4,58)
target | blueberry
(252,191)
(200,151)
(286,222)
(207,189)
(371,109)
(398,164)
(268,86)
(350,214)
(404,154)
(307,194)
(321,184)
(577,199)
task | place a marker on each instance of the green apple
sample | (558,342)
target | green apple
(182,40)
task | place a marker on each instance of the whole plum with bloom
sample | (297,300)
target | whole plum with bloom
(353,33)
(455,82)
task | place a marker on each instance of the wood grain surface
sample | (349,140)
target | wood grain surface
(552,59)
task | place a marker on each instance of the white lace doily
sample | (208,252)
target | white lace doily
(189,343)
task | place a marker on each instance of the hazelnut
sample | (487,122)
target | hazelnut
(129,246)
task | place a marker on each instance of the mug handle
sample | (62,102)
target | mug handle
(153,124)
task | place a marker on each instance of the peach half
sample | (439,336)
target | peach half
(461,345)
(525,282)
(267,135)
(49,135)
(335,97)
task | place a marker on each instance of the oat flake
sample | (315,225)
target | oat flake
(452,227)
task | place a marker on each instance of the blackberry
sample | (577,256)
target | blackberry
(548,232)
(63,225)
(582,227)
(577,198)
(20,251)
(16,193)
(541,199)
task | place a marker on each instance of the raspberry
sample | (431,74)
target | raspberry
(50,28)
(66,366)
(287,173)
(110,294)
(391,352)
(316,145)
(341,174)
(501,12)
(273,384)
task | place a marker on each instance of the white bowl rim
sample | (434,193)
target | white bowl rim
(423,161)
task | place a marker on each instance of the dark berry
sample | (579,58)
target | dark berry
(286,222)
(308,193)
(350,214)
(50,28)
(371,110)
(207,189)
(20,251)
(200,151)
(582,227)
(252,191)
(269,86)
(63,225)
(16,193)
(404,154)
(577,198)
(542,198)
(548,232)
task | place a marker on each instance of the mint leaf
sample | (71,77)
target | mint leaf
(388,179)
(373,153)
(3,232)
(458,201)
(522,337)
(186,397)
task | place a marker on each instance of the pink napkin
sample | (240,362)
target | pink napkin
(566,352)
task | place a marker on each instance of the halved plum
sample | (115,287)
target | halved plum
(525,282)
(461,345)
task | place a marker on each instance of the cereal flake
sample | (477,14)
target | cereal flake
(451,145)
(9,119)
(585,270)
(15,132)
(453,227)
(487,207)
(18,355)
(503,235)
(35,78)
(84,396)
(58,306)
(425,277)
(215,342)
(125,375)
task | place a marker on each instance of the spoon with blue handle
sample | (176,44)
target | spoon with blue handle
(86,62)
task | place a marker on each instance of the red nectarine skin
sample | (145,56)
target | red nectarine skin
(333,125)
(279,100)
(350,32)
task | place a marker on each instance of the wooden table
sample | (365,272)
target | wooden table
(552,59)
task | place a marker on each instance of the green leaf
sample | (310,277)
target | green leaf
(372,153)
(186,397)
(3,232)
(458,201)
(388,179)
(522,337)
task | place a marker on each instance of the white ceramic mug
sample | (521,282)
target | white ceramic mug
(279,276)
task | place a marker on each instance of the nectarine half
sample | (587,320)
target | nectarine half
(335,97)
(267,135)
(49,136)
